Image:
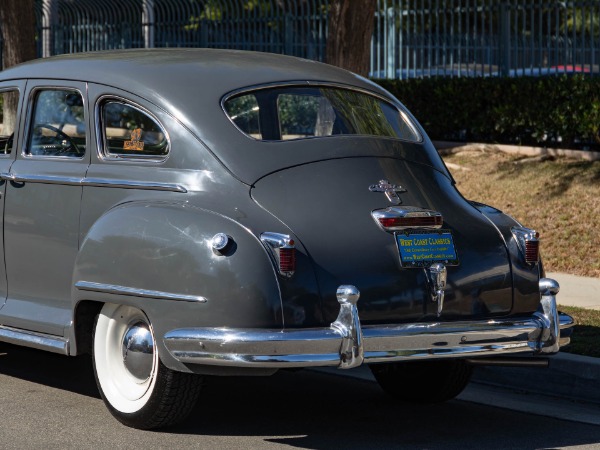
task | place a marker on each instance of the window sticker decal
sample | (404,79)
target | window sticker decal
(135,143)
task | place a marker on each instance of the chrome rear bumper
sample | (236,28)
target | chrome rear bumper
(347,344)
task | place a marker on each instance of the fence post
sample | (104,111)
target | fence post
(288,40)
(390,63)
(49,14)
(505,50)
(148,23)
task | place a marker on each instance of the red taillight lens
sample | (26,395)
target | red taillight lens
(532,251)
(287,260)
(528,243)
(411,222)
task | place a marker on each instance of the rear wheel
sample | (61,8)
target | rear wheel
(136,387)
(423,381)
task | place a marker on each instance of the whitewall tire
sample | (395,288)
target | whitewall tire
(137,388)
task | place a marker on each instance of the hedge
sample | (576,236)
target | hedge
(539,111)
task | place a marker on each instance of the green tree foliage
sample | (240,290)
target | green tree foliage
(541,111)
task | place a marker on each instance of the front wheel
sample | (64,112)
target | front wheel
(423,381)
(136,387)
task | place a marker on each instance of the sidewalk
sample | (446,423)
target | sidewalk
(577,291)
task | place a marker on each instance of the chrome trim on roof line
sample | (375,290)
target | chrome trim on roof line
(40,341)
(135,292)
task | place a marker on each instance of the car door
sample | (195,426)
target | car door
(42,206)
(11,94)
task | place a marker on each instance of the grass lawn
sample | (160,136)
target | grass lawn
(558,198)
(561,200)
(586,335)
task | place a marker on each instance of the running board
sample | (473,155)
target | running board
(35,340)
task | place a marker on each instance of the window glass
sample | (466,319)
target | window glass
(128,131)
(9,101)
(57,124)
(243,111)
(302,112)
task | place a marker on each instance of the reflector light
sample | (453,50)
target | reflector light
(529,245)
(532,251)
(282,251)
(287,260)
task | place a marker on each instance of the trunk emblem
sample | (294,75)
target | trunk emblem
(390,190)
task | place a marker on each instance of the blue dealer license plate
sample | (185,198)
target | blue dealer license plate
(424,249)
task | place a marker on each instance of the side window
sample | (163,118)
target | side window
(57,124)
(8,115)
(130,132)
(244,111)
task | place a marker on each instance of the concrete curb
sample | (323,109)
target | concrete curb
(446,148)
(572,377)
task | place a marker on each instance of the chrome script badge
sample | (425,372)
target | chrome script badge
(391,190)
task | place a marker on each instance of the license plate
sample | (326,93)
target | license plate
(424,249)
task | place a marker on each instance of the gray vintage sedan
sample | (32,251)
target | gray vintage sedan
(183,213)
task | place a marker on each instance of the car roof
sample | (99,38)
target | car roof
(144,70)
(190,84)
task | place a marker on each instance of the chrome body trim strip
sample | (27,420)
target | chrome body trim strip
(130,184)
(99,182)
(347,344)
(48,179)
(7,176)
(135,292)
(40,341)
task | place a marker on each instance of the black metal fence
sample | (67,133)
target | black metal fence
(412,38)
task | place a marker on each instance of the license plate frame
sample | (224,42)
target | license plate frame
(419,249)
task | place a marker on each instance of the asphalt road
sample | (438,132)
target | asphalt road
(50,401)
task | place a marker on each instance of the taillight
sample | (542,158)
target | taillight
(532,251)
(528,243)
(282,250)
(398,218)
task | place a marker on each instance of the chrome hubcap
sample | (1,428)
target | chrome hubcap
(138,351)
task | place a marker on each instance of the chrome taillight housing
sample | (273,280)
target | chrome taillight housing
(282,249)
(398,218)
(528,243)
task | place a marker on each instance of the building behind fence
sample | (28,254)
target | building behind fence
(412,38)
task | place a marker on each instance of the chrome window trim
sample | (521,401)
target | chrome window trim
(103,155)
(316,84)
(29,119)
(7,89)
(136,292)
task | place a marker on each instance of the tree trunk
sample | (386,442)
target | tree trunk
(17,21)
(349,36)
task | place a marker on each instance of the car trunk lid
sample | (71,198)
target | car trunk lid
(328,205)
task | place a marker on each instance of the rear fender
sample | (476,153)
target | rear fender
(158,257)
(525,276)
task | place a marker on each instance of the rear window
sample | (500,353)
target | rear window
(280,114)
